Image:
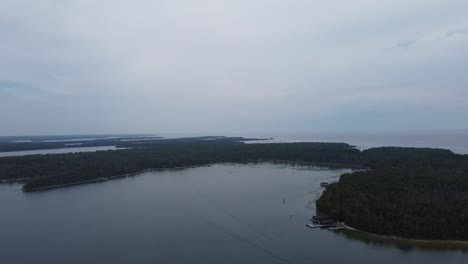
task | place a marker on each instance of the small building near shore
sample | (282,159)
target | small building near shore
(320,217)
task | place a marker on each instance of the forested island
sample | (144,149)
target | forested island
(406,192)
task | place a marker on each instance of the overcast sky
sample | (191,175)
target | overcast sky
(111,66)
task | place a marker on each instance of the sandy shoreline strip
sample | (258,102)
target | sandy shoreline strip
(402,239)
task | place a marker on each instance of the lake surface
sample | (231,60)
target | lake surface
(219,214)
(55,151)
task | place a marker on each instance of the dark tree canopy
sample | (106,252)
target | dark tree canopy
(413,193)
(408,192)
(60,169)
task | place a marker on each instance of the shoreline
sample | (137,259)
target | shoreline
(402,239)
(14,180)
(107,178)
(273,162)
(318,164)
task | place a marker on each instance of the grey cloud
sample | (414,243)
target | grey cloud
(9,84)
(405,44)
(235,64)
(461,31)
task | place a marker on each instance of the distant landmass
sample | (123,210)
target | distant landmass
(23,143)
(405,192)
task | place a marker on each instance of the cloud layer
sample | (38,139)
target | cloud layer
(81,66)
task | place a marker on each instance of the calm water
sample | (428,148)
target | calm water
(55,151)
(456,142)
(218,214)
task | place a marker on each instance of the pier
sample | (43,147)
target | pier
(324,222)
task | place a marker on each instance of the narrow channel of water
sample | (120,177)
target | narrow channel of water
(55,151)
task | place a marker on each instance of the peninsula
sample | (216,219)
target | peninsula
(406,192)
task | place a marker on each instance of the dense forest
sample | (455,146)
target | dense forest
(55,142)
(412,193)
(407,192)
(60,169)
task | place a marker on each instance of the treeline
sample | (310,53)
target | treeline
(412,193)
(407,192)
(55,142)
(120,141)
(59,169)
